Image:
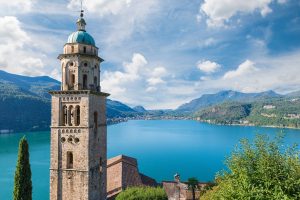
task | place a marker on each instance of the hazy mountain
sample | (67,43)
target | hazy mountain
(139,109)
(25,102)
(294,94)
(118,109)
(207,100)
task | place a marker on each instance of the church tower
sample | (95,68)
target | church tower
(78,123)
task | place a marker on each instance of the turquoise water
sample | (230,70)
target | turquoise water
(161,147)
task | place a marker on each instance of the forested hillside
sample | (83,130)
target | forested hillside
(281,112)
(25,103)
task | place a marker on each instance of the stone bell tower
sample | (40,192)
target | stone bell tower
(78,123)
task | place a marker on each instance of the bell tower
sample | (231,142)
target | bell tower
(78,123)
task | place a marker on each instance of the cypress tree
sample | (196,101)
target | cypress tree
(23,184)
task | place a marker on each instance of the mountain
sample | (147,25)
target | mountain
(139,109)
(207,100)
(281,112)
(17,85)
(294,94)
(118,109)
(25,103)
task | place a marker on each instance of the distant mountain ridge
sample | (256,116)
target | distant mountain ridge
(25,103)
(140,109)
(207,100)
(294,94)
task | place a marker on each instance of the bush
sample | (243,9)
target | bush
(264,170)
(143,193)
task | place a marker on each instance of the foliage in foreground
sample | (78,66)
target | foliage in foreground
(193,185)
(23,185)
(263,170)
(143,193)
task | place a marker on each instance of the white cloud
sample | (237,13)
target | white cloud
(102,7)
(208,66)
(15,55)
(124,16)
(138,61)
(282,1)
(15,6)
(159,72)
(116,82)
(268,73)
(219,12)
(155,81)
(151,89)
(245,68)
(133,83)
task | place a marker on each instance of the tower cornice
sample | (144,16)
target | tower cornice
(79,92)
(61,56)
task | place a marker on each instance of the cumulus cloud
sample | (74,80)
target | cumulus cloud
(208,66)
(245,68)
(155,81)
(127,16)
(135,82)
(14,56)
(135,77)
(268,73)
(219,12)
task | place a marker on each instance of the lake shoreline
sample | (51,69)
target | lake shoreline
(248,125)
(122,120)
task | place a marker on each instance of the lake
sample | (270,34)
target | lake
(162,147)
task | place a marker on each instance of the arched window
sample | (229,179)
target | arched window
(77,118)
(70,115)
(84,82)
(72,81)
(100,165)
(69,160)
(95,121)
(95,81)
(65,116)
(84,49)
(72,49)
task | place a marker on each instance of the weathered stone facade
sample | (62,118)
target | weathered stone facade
(123,172)
(78,125)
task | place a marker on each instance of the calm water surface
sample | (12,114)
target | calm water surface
(161,147)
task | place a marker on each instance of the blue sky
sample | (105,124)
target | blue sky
(161,54)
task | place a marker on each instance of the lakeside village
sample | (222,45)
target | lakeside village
(80,169)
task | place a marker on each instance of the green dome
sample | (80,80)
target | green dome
(81,37)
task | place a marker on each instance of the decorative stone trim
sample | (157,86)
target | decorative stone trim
(67,92)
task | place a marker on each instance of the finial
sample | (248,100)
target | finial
(81,9)
(80,22)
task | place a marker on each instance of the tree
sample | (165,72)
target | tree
(23,184)
(193,185)
(265,170)
(143,193)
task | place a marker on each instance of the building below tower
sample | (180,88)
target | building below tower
(123,172)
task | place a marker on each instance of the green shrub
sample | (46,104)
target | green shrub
(143,193)
(264,170)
